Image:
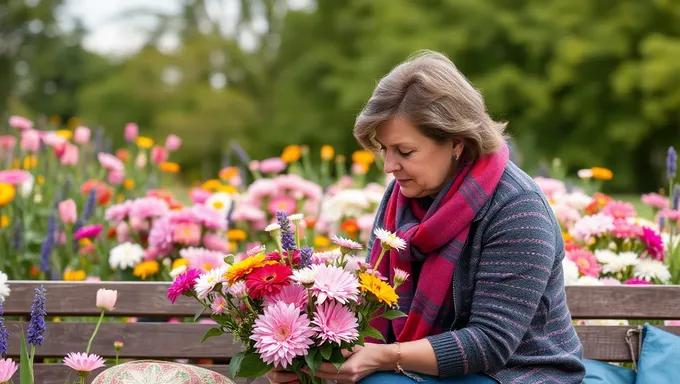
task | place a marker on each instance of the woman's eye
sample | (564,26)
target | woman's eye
(405,154)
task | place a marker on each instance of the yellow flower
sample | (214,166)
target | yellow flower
(566,236)
(40,180)
(327,152)
(168,167)
(363,157)
(77,275)
(4,221)
(180,263)
(233,245)
(84,242)
(236,235)
(7,193)
(146,269)
(144,142)
(30,162)
(211,185)
(322,241)
(600,173)
(291,153)
(245,266)
(65,133)
(380,289)
(128,184)
(226,189)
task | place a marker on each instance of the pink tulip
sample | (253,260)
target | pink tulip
(20,122)
(159,154)
(131,131)
(30,140)
(67,211)
(110,162)
(82,135)
(106,299)
(7,370)
(173,142)
(70,155)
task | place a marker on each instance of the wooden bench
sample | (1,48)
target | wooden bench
(162,340)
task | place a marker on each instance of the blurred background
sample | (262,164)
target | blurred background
(591,83)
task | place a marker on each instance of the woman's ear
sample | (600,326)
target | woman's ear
(458,147)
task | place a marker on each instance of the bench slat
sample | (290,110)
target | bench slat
(57,374)
(142,340)
(624,302)
(608,343)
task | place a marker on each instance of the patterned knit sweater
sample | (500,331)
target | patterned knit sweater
(511,319)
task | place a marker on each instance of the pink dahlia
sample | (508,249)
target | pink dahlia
(88,232)
(335,323)
(625,230)
(268,280)
(282,334)
(655,200)
(282,203)
(346,243)
(654,243)
(586,262)
(14,176)
(83,363)
(290,294)
(7,369)
(184,283)
(110,162)
(148,207)
(619,209)
(334,283)
(202,259)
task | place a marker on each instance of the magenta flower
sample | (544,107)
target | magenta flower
(83,363)
(88,232)
(291,294)
(335,323)
(654,243)
(20,122)
(183,284)
(586,262)
(334,283)
(14,176)
(272,165)
(655,200)
(7,369)
(159,154)
(110,162)
(282,334)
(635,281)
(619,209)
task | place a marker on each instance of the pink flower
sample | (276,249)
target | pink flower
(635,281)
(216,242)
(110,162)
(131,132)
(334,283)
(88,232)
(116,177)
(335,323)
(161,235)
(183,284)
(122,233)
(655,200)
(7,369)
(609,281)
(654,243)
(106,299)
(14,176)
(148,207)
(118,212)
(247,212)
(238,289)
(586,262)
(187,234)
(140,160)
(173,142)
(158,154)
(211,218)
(551,188)
(254,165)
(670,214)
(672,323)
(202,259)
(20,122)
(139,225)
(281,334)
(619,209)
(566,214)
(7,142)
(30,140)
(184,215)
(625,230)
(291,294)
(199,195)
(67,211)
(591,226)
(83,363)
(219,305)
(82,135)
(272,165)
(346,243)
(70,155)
(282,203)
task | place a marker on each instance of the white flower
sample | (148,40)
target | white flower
(620,262)
(272,227)
(649,269)
(577,200)
(220,202)
(570,272)
(605,256)
(125,255)
(585,173)
(591,226)
(26,187)
(587,280)
(207,281)
(178,271)
(305,276)
(346,203)
(323,257)
(296,217)
(4,288)
(389,240)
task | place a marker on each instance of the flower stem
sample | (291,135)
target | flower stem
(96,329)
(248,305)
(375,267)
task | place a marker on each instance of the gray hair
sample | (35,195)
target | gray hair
(433,95)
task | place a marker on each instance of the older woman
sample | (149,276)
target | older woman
(486,300)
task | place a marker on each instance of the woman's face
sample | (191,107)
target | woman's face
(420,165)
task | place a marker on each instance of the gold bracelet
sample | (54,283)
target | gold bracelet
(399,369)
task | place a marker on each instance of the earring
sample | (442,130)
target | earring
(455,157)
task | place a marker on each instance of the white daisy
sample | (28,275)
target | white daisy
(125,255)
(649,269)
(305,276)
(620,262)
(605,256)
(389,240)
(4,288)
(207,281)
(220,202)
(570,272)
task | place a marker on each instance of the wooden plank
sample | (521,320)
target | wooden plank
(608,343)
(142,340)
(624,302)
(57,374)
(68,298)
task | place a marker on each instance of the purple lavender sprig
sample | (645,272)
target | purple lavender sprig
(4,335)
(287,239)
(671,163)
(36,326)
(306,257)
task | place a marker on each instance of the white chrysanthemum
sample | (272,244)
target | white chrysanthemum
(570,272)
(587,280)
(4,288)
(605,256)
(207,281)
(178,271)
(620,262)
(389,240)
(591,226)
(305,276)
(649,269)
(220,202)
(126,255)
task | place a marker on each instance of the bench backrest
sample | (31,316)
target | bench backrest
(155,338)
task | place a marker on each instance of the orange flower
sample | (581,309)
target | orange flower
(291,153)
(327,152)
(123,154)
(236,235)
(363,157)
(7,193)
(598,202)
(245,266)
(168,167)
(128,184)
(350,226)
(228,172)
(103,194)
(211,185)
(600,173)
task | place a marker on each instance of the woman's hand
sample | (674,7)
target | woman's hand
(279,376)
(361,362)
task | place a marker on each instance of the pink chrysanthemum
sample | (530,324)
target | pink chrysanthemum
(148,207)
(14,176)
(160,236)
(211,218)
(346,243)
(282,334)
(591,226)
(626,230)
(187,234)
(7,370)
(636,281)
(292,294)
(654,243)
(282,203)
(335,284)
(184,215)
(183,283)
(82,362)
(216,242)
(118,212)
(219,305)
(655,200)
(586,262)
(619,209)
(335,323)
(202,259)
(670,214)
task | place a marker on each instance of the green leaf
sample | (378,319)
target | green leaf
(337,358)
(229,259)
(361,341)
(326,350)
(313,360)
(235,364)
(253,366)
(372,332)
(393,314)
(26,370)
(199,313)
(211,333)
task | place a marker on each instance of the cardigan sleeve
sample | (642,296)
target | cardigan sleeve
(515,265)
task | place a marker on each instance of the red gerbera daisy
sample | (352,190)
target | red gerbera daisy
(268,280)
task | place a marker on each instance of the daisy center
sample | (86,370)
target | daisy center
(207,266)
(282,333)
(583,263)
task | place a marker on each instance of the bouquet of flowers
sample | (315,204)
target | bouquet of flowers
(294,308)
